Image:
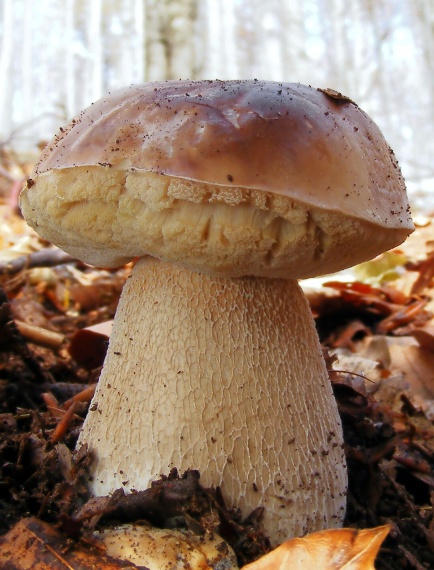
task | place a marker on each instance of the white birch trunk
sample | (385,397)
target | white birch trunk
(139,33)
(6,53)
(70,103)
(94,47)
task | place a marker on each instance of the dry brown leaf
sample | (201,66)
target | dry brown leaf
(336,549)
(35,544)
(425,336)
(417,365)
(88,346)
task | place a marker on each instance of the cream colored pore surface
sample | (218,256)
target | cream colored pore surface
(106,217)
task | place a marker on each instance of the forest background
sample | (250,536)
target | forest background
(57,56)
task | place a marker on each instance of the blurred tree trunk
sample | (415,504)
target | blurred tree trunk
(169,34)
(6,54)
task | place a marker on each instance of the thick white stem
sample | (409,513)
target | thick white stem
(225,376)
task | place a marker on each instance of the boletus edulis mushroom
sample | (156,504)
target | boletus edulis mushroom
(227,193)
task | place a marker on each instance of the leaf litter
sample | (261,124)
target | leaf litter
(55,318)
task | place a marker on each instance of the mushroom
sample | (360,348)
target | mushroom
(227,193)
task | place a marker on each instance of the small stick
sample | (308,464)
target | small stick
(52,405)
(62,427)
(47,257)
(84,396)
(39,335)
(16,342)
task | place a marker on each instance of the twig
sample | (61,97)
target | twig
(85,395)
(40,336)
(409,556)
(12,340)
(62,427)
(52,405)
(47,257)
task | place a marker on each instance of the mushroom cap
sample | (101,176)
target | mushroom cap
(228,177)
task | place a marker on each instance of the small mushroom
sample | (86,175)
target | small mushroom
(227,193)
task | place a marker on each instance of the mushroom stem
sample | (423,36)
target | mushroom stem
(225,376)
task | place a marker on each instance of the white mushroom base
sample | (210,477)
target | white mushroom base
(225,376)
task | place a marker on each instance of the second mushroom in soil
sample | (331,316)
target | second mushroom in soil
(227,193)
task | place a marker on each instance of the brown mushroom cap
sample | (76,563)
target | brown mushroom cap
(267,154)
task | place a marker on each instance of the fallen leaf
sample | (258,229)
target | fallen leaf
(403,316)
(417,365)
(35,544)
(425,336)
(426,274)
(88,346)
(336,549)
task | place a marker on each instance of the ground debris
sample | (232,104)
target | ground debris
(387,420)
(33,543)
(360,309)
(45,391)
(46,257)
(390,478)
(174,501)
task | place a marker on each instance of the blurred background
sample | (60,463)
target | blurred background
(57,56)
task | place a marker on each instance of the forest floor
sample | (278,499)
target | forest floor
(378,338)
